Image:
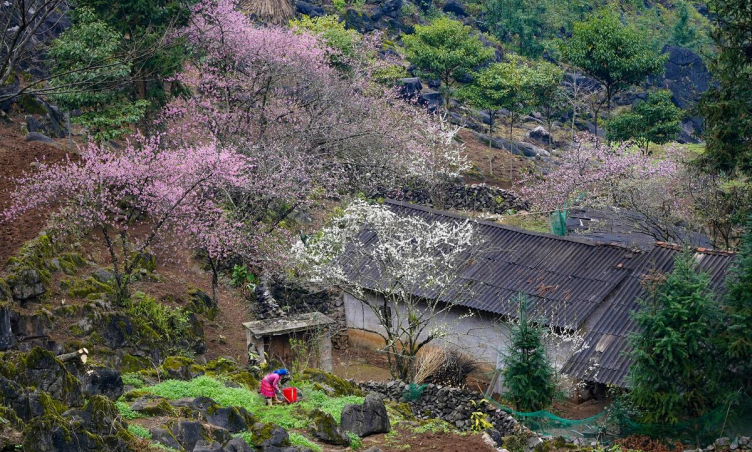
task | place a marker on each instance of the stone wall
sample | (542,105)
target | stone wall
(453,405)
(477,198)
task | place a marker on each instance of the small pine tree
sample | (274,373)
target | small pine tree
(528,374)
(674,372)
(738,305)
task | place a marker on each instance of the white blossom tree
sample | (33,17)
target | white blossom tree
(404,268)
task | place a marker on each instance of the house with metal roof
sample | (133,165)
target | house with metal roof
(574,284)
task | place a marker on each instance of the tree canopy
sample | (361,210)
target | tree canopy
(445,49)
(615,54)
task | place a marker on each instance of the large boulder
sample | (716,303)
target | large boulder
(27,284)
(234,419)
(184,434)
(268,437)
(42,370)
(238,444)
(540,134)
(685,75)
(455,8)
(324,427)
(308,9)
(366,419)
(40,138)
(25,402)
(103,381)
(410,87)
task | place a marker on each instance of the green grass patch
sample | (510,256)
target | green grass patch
(133,379)
(287,416)
(139,431)
(296,439)
(126,411)
(355,442)
(246,437)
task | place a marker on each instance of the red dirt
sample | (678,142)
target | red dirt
(437,442)
(17,156)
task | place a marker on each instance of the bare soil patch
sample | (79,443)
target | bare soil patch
(16,157)
(406,439)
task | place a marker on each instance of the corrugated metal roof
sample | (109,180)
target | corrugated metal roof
(566,278)
(605,358)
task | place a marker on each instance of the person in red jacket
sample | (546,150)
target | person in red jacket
(270,386)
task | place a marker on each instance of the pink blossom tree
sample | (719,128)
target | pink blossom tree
(138,196)
(593,174)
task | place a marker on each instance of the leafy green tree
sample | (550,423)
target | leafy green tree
(90,75)
(528,373)
(616,55)
(684,33)
(675,369)
(445,50)
(546,88)
(727,106)
(144,26)
(654,120)
(738,303)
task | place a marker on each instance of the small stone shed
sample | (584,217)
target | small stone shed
(271,337)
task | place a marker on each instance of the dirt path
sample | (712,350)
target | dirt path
(16,157)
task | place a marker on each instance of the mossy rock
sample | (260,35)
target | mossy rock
(5,292)
(131,396)
(340,386)
(30,105)
(267,434)
(67,263)
(11,429)
(68,311)
(201,303)
(41,369)
(130,363)
(28,283)
(178,368)
(145,261)
(83,288)
(324,427)
(245,379)
(221,366)
(402,408)
(152,406)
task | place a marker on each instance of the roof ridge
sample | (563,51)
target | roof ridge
(581,241)
(701,250)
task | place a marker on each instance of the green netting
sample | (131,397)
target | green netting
(558,222)
(413,392)
(549,424)
(732,419)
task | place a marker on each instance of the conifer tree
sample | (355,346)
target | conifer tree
(528,374)
(738,304)
(674,372)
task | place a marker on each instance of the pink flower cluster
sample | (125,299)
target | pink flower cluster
(176,191)
(595,174)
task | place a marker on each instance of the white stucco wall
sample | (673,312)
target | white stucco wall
(480,335)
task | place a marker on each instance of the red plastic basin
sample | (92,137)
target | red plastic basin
(291,394)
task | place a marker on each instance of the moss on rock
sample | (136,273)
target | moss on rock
(245,378)
(130,363)
(340,386)
(268,434)
(83,288)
